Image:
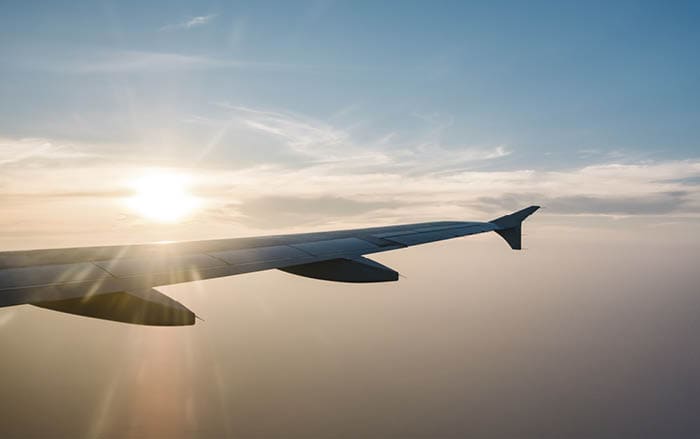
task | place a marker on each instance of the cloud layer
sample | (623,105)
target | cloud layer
(257,170)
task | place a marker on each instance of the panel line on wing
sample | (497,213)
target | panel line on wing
(259,254)
(21,277)
(336,246)
(123,267)
(425,237)
(104,269)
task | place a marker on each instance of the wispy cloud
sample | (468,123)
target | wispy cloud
(36,151)
(616,205)
(190,23)
(98,60)
(135,61)
(325,143)
(144,62)
(295,210)
(302,134)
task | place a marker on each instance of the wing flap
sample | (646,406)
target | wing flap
(148,307)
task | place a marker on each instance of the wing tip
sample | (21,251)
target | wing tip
(509,227)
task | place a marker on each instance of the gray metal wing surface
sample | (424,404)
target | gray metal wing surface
(117,282)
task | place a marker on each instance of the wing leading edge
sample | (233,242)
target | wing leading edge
(116,282)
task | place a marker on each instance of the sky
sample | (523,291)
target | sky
(283,117)
(343,113)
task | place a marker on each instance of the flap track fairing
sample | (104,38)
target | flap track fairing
(355,270)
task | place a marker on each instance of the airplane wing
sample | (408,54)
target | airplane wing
(117,282)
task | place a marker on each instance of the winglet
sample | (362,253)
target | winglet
(509,226)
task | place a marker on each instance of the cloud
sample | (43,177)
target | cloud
(651,204)
(190,23)
(140,61)
(419,177)
(599,153)
(396,195)
(325,144)
(294,211)
(37,152)
(690,181)
(69,194)
(253,200)
(259,169)
(302,134)
(435,158)
(135,61)
(101,60)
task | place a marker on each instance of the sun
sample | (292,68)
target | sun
(162,197)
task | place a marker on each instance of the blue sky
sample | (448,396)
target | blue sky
(555,77)
(373,95)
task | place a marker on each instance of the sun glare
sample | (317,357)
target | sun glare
(162,197)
